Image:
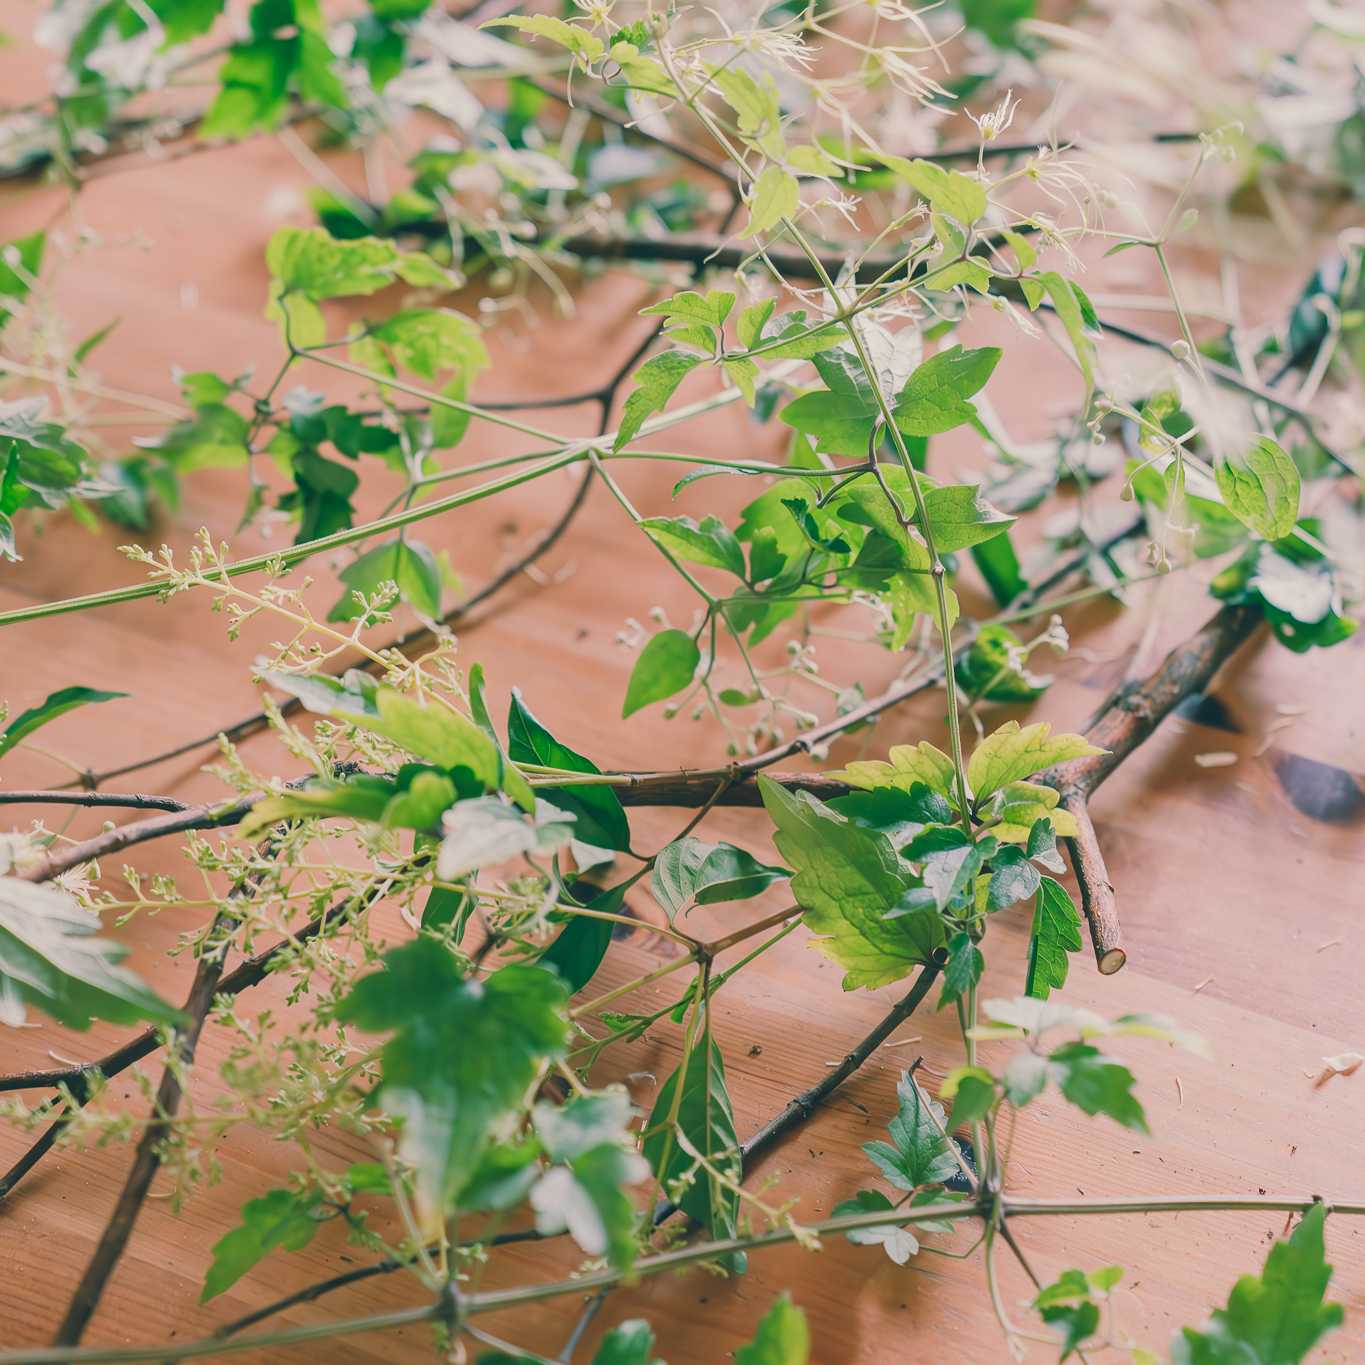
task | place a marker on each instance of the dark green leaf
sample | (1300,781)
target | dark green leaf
(280,1218)
(56,704)
(962,970)
(689,870)
(1097,1084)
(918,1153)
(1056,932)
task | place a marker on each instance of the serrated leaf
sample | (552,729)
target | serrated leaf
(950,192)
(655,382)
(900,1244)
(962,970)
(279,1218)
(51,959)
(407,563)
(907,765)
(665,666)
(918,1153)
(934,398)
(452,1099)
(1013,752)
(1056,932)
(1275,1318)
(847,879)
(1097,1084)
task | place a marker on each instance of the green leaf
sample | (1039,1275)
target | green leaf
(1012,753)
(960,196)
(1056,932)
(599,817)
(586,1194)
(1097,1084)
(56,704)
(407,563)
(1015,810)
(900,1244)
(428,341)
(998,564)
(706,1123)
(20,262)
(577,952)
(688,870)
(918,1153)
(909,765)
(960,517)
(279,1218)
(993,669)
(712,543)
(452,1100)
(1275,1318)
(578,40)
(666,665)
(847,879)
(776,195)
(630,1343)
(50,958)
(1013,879)
(934,398)
(1072,307)
(782,1337)
(710,309)
(972,1091)
(430,730)
(963,969)
(486,830)
(1263,495)
(655,382)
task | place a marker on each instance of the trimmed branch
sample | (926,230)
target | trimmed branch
(1127,720)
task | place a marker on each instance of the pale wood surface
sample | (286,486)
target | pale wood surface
(1240,910)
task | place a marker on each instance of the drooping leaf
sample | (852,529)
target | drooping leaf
(279,1218)
(1275,1318)
(599,817)
(665,666)
(706,1124)
(56,704)
(452,1099)
(689,870)
(847,879)
(51,959)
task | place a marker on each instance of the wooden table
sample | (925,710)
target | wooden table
(1240,887)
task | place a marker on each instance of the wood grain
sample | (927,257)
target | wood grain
(1241,885)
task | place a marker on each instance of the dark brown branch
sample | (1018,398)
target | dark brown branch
(1097,891)
(123,800)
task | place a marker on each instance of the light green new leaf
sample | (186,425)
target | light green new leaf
(1274,1318)
(909,764)
(666,665)
(776,195)
(782,1337)
(1071,308)
(580,41)
(709,309)
(55,704)
(960,196)
(1263,495)
(451,1098)
(847,878)
(655,382)
(1056,932)
(279,1218)
(712,543)
(50,958)
(430,340)
(1013,752)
